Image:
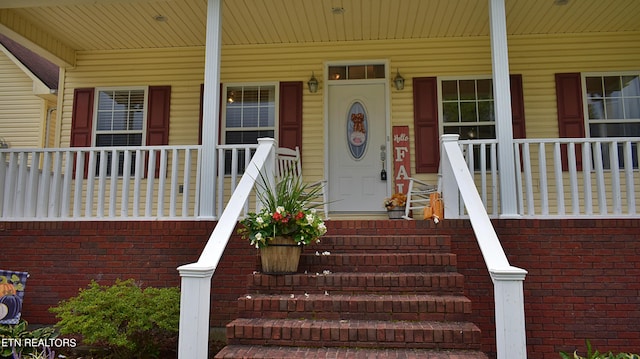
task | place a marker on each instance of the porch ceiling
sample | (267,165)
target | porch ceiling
(79,25)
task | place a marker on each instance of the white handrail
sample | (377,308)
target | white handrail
(507,279)
(196,277)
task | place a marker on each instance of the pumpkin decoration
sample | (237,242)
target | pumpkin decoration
(13,304)
(4,310)
(6,288)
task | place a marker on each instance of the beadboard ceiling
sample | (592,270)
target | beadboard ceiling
(128,24)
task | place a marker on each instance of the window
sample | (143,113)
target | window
(119,121)
(357,72)
(613,109)
(249,114)
(467,108)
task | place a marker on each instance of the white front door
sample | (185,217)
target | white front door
(357,139)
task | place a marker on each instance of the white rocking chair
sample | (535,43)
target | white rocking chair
(418,196)
(288,161)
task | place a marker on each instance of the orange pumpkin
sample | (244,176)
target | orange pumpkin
(6,288)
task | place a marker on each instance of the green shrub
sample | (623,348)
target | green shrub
(597,355)
(16,336)
(129,321)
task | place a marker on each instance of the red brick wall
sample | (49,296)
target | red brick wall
(583,280)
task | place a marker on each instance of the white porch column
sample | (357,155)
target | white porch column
(210,109)
(502,98)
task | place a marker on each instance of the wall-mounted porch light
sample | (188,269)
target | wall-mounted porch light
(313,83)
(398,81)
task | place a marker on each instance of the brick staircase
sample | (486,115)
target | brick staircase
(359,296)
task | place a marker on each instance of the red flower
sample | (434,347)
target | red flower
(299,216)
(277,216)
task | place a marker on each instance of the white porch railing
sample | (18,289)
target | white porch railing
(457,182)
(99,183)
(195,297)
(567,177)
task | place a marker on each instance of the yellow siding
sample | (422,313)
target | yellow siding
(21,112)
(537,58)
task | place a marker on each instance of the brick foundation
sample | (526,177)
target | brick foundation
(583,280)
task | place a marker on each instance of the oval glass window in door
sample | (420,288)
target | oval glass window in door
(357,126)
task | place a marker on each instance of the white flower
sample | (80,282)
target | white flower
(309,218)
(317,253)
(248,297)
(326,253)
(293,296)
(313,211)
(306,295)
(280,209)
(258,236)
(259,220)
(325,272)
(326,293)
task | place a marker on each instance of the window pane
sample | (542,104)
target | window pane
(449,90)
(485,111)
(250,117)
(614,108)
(137,119)
(467,89)
(376,72)
(450,112)
(267,117)
(631,86)
(104,121)
(632,108)
(248,108)
(234,117)
(119,121)
(612,86)
(337,73)
(468,112)
(485,89)
(250,96)
(356,72)
(596,109)
(594,86)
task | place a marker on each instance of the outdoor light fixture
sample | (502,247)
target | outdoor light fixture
(398,81)
(313,83)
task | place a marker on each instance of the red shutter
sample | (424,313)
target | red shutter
(82,117)
(425,124)
(570,112)
(82,122)
(159,99)
(290,120)
(158,115)
(517,107)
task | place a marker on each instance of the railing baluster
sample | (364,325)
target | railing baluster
(528,175)
(56,187)
(494,178)
(557,167)
(151,174)
(586,175)
(519,188)
(573,178)
(137,183)
(221,167)
(483,174)
(628,176)
(9,206)
(44,186)
(126,184)
(3,178)
(614,171)
(113,182)
(600,185)
(186,183)
(162,182)
(175,162)
(544,187)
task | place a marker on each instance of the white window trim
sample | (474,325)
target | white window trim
(119,88)
(223,112)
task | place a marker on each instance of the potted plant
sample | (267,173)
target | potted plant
(285,223)
(395,205)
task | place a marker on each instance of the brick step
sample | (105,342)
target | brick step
(383,244)
(251,351)
(354,333)
(372,307)
(377,262)
(356,283)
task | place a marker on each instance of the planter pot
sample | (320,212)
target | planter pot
(396,212)
(281,256)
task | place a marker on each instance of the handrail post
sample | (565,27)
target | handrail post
(195,289)
(449,185)
(511,337)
